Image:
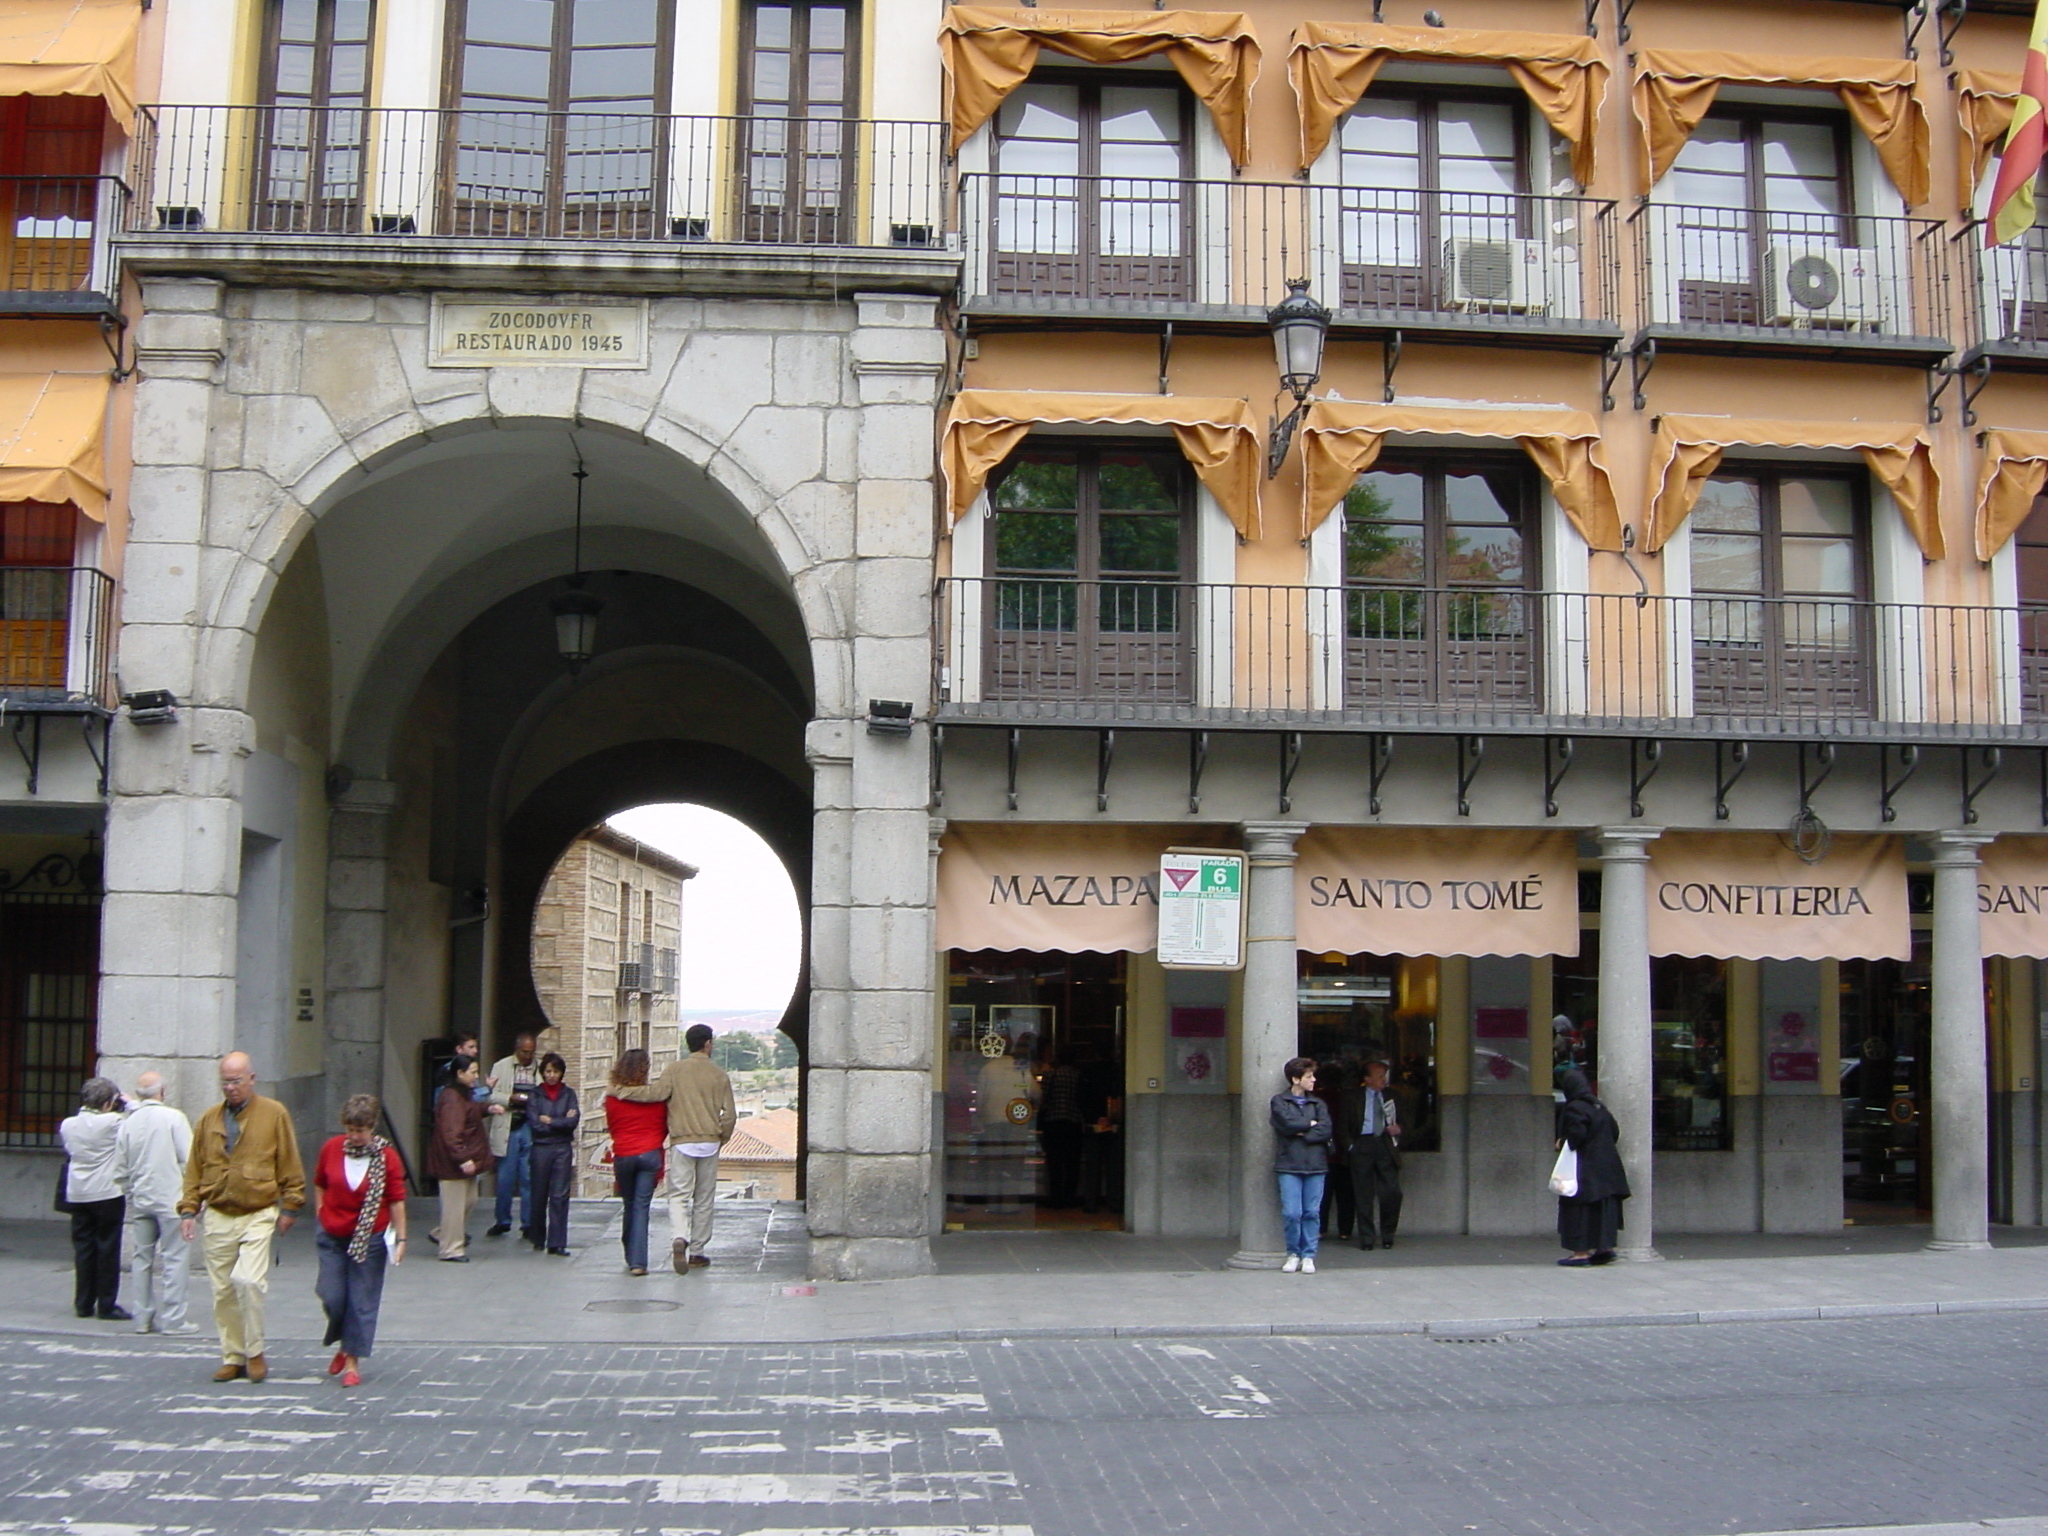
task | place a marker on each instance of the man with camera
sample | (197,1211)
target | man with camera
(511,1080)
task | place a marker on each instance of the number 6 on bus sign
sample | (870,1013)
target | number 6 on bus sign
(1201,909)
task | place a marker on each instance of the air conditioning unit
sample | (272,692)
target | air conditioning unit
(2020,273)
(630,977)
(1494,274)
(1813,282)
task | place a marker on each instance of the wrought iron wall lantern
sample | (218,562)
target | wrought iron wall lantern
(576,610)
(1300,328)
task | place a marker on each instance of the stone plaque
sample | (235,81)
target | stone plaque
(546,334)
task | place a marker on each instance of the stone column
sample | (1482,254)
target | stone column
(358,902)
(1625,1020)
(1959,1118)
(1271,1030)
(174,824)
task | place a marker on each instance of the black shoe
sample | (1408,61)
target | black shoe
(1365,1243)
(560,1253)
(83,1311)
(498,1230)
(1386,1242)
(454,1258)
(116,1314)
(1604,1256)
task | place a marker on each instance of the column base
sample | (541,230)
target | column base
(1247,1258)
(1955,1245)
(1643,1255)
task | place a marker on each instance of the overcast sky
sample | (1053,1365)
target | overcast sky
(742,937)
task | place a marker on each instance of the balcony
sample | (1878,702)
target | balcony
(1443,661)
(1728,281)
(2005,300)
(56,639)
(55,246)
(1458,266)
(417,186)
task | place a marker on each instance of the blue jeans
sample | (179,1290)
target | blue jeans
(513,1178)
(636,1177)
(350,1293)
(1301,1211)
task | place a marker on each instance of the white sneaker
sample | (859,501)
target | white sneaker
(1308,1266)
(1293,1263)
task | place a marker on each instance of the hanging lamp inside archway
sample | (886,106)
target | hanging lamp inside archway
(575,609)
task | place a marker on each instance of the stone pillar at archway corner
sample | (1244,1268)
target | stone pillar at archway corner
(358,903)
(867,1105)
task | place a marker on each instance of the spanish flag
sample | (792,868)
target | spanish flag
(2026,144)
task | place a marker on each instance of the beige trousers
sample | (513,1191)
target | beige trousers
(237,1250)
(692,1189)
(458,1199)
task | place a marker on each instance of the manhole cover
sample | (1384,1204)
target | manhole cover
(632,1306)
(1469,1338)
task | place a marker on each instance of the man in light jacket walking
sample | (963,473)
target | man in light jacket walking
(149,1161)
(701,1117)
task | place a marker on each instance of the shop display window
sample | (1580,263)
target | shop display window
(1034,1095)
(1354,1008)
(1886,1025)
(1689,1041)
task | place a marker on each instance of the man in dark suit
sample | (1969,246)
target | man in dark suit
(1376,1159)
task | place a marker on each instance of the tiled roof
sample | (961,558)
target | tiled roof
(769,1138)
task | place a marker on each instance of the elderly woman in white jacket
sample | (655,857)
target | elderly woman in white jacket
(93,1196)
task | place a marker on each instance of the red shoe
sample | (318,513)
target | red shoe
(334,1366)
(351,1379)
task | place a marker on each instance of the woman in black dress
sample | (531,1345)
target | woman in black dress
(1588,1220)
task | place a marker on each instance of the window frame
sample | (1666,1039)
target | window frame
(1088,495)
(853,97)
(1752,117)
(1770,474)
(1432,99)
(1436,465)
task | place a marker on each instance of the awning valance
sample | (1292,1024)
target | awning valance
(71,48)
(1219,437)
(1675,90)
(1047,887)
(1741,896)
(989,51)
(1332,65)
(52,428)
(1985,99)
(1897,453)
(2015,469)
(2012,897)
(1436,891)
(1340,440)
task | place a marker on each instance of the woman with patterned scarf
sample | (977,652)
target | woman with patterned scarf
(361,1186)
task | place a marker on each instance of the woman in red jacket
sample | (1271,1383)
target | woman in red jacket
(458,1154)
(360,1184)
(638,1131)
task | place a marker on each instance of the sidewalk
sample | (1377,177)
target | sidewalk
(994,1285)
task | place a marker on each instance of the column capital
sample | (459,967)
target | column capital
(1627,845)
(935,828)
(1957,849)
(1272,842)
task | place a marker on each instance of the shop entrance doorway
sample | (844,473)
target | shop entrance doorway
(1034,1092)
(1886,1132)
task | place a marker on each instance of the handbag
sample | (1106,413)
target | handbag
(1564,1173)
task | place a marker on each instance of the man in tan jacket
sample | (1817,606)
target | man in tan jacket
(700,1121)
(244,1174)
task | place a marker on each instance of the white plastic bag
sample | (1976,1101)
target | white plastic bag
(1564,1173)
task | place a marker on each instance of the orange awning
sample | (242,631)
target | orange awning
(1748,896)
(1437,891)
(1219,437)
(52,430)
(2012,897)
(1332,65)
(1070,888)
(1897,453)
(71,48)
(2015,468)
(1341,439)
(989,51)
(1675,90)
(1985,99)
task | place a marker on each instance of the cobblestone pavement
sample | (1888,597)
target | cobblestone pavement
(1788,1426)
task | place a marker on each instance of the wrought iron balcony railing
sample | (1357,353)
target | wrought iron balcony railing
(1502,659)
(540,176)
(2004,293)
(54,233)
(1821,281)
(56,636)
(1422,258)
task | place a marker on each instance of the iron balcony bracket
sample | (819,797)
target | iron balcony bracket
(1557,762)
(1641,362)
(1016,740)
(32,750)
(1993,758)
(938,765)
(1974,378)
(1390,360)
(1824,761)
(1198,762)
(1909,763)
(1471,753)
(1611,364)
(1592,18)
(1621,14)
(1938,375)
(102,754)
(1644,759)
(1165,357)
(1105,754)
(1731,761)
(1381,748)
(1290,760)
(1947,16)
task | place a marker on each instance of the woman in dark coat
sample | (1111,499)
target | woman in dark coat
(458,1154)
(552,1111)
(1588,1221)
(1303,1124)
